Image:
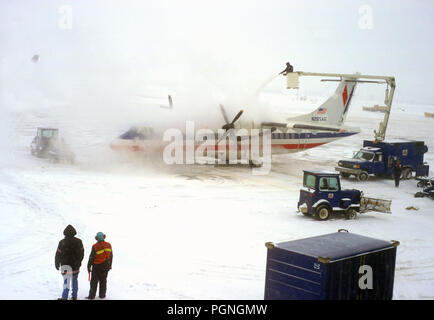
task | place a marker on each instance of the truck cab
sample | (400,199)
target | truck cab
(321,195)
(48,144)
(378,158)
(44,140)
(365,161)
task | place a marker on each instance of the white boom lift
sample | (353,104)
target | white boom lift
(292,83)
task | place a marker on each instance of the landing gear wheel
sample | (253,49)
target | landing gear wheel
(351,214)
(363,176)
(323,212)
(255,164)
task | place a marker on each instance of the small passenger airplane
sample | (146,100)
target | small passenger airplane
(323,125)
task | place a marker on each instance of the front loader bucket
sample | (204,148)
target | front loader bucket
(372,204)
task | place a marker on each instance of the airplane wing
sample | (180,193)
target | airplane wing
(310,126)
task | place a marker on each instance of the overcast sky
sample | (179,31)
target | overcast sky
(132,45)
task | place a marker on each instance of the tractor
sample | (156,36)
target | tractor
(321,196)
(47,144)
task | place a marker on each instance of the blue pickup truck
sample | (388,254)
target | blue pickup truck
(378,158)
(321,196)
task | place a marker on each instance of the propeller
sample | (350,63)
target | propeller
(229,125)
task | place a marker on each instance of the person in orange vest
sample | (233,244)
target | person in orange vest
(100,263)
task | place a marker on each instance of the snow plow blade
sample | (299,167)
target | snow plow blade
(372,204)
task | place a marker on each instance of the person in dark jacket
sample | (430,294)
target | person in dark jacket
(397,170)
(69,254)
(100,263)
(289,68)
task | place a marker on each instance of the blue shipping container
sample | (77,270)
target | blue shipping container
(338,266)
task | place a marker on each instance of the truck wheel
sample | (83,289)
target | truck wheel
(323,212)
(351,214)
(363,176)
(345,175)
(407,174)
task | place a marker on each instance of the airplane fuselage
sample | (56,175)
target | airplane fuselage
(323,125)
(290,141)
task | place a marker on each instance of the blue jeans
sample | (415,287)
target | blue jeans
(74,280)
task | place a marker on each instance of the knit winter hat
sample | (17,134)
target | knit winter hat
(100,236)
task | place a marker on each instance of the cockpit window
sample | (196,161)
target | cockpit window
(133,133)
(363,155)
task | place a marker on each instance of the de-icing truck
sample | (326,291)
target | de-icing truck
(377,157)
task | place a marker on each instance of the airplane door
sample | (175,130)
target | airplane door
(300,140)
(303,141)
(306,140)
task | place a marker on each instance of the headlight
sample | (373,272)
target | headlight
(356,166)
(340,164)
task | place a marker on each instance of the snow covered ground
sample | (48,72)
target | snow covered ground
(194,232)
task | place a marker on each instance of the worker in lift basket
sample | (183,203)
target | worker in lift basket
(397,170)
(100,263)
(289,68)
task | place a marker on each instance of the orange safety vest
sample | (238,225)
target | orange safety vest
(102,252)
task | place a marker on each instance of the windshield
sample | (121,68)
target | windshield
(309,181)
(328,184)
(363,155)
(48,133)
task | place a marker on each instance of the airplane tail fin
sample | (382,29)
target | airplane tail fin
(334,110)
